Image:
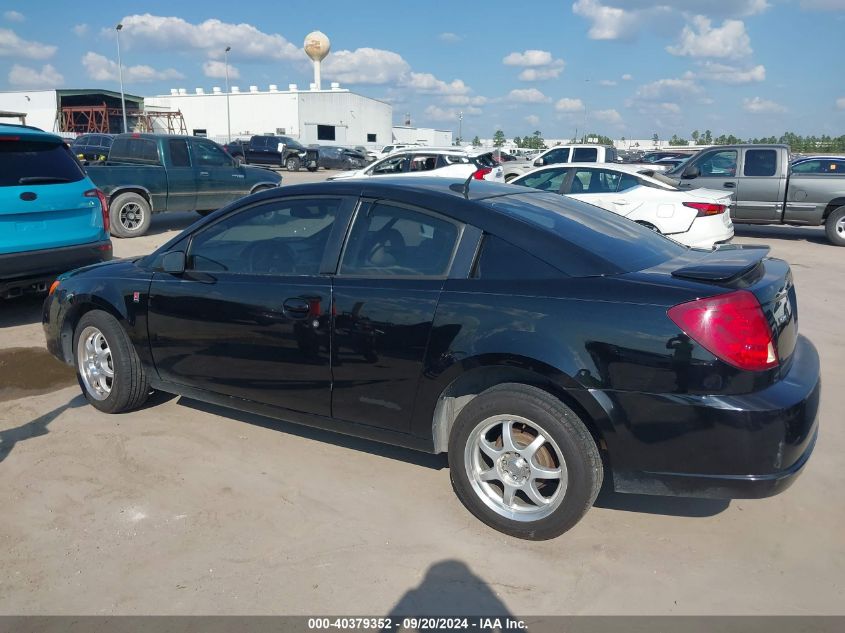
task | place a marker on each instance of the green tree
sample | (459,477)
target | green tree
(655,138)
(476,142)
(499,138)
(517,141)
(707,139)
(677,140)
(695,136)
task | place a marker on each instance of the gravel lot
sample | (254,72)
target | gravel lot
(188,508)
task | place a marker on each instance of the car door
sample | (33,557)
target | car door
(256,150)
(181,177)
(596,186)
(714,169)
(220,179)
(759,192)
(554,156)
(394,264)
(250,317)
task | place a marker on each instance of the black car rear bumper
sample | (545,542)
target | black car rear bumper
(742,447)
(33,270)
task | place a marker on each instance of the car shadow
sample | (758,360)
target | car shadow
(24,310)
(398,453)
(654,504)
(171,221)
(814,234)
(34,428)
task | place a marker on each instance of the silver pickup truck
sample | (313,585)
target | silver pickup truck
(765,190)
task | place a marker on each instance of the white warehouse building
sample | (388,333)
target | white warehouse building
(335,116)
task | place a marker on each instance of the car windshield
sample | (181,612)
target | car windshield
(292,144)
(37,163)
(603,242)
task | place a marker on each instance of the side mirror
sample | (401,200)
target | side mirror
(539,162)
(238,161)
(691,172)
(173,263)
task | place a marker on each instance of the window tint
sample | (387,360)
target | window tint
(545,180)
(179,156)
(500,260)
(454,159)
(392,165)
(285,237)
(290,143)
(259,142)
(390,240)
(485,160)
(627,181)
(127,149)
(593,241)
(107,141)
(585,155)
(36,163)
(808,167)
(555,156)
(594,181)
(719,164)
(422,162)
(371,138)
(760,162)
(210,154)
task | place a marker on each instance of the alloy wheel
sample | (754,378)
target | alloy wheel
(95,363)
(131,215)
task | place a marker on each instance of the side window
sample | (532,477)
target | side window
(585,155)
(595,181)
(499,259)
(107,141)
(760,162)
(392,165)
(285,237)
(808,167)
(454,159)
(179,156)
(135,150)
(627,181)
(835,167)
(556,156)
(389,240)
(719,164)
(209,154)
(546,180)
(422,162)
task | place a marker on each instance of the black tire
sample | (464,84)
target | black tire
(510,177)
(124,212)
(292,163)
(129,386)
(834,227)
(580,455)
(313,168)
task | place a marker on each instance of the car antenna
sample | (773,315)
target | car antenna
(465,188)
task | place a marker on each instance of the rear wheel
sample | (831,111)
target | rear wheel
(649,226)
(292,163)
(510,177)
(523,462)
(107,366)
(130,215)
(834,226)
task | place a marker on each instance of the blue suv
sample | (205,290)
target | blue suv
(52,217)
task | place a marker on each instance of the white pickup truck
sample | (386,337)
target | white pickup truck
(585,153)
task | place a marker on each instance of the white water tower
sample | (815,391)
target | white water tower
(317,46)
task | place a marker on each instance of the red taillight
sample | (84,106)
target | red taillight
(706,208)
(731,327)
(10,138)
(481,172)
(53,287)
(104,205)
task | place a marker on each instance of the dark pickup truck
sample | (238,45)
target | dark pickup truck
(766,190)
(153,173)
(278,151)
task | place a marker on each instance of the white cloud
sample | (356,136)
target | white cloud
(530,57)
(669,107)
(427,83)
(607,82)
(533,120)
(527,95)
(840,103)
(611,117)
(762,106)
(11,45)
(450,37)
(663,89)
(211,36)
(217,70)
(732,75)
(436,113)
(608,23)
(365,66)
(80,29)
(537,65)
(100,68)
(627,77)
(14,16)
(25,77)
(701,39)
(541,74)
(463,100)
(569,105)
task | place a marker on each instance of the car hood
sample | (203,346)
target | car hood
(357,173)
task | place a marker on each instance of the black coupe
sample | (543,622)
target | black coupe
(543,343)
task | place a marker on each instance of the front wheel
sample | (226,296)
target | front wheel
(834,227)
(130,215)
(107,366)
(292,163)
(523,462)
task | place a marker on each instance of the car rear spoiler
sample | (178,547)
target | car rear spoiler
(726,263)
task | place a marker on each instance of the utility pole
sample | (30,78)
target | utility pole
(461,127)
(228,115)
(120,76)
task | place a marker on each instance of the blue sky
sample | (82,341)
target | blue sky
(743,67)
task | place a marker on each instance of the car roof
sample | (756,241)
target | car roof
(29,133)
(629,168)
(806,158)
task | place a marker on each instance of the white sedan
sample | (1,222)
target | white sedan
(699,217)
(432,161)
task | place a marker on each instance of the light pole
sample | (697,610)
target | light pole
(460,128)
(228,116)
(120,75)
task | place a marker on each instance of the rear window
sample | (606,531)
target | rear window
(599,242)
(37,163)
(485,160)
(585,155)
(134,150)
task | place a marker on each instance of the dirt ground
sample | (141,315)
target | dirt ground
(188,508)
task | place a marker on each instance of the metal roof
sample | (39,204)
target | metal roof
(94,91)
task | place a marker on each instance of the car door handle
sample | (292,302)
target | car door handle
(729,185)
(620,202)
(296,308)
(203,173)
